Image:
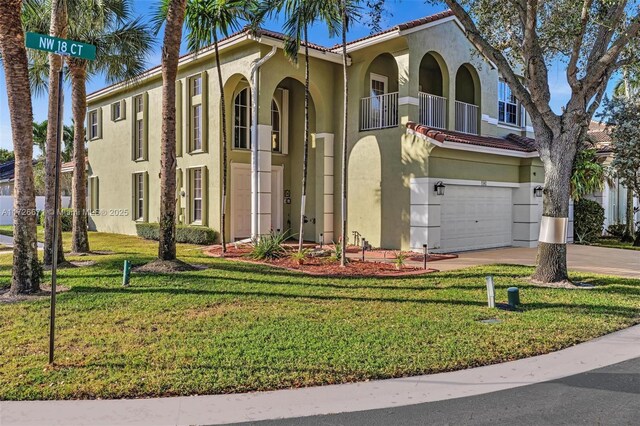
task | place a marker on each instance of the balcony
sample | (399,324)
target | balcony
(466,118)
(433,110)
(379,112)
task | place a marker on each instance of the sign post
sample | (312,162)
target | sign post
(63,48)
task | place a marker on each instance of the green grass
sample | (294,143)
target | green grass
(614,243)
(236,327)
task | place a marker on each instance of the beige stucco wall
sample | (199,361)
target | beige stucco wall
(382,162)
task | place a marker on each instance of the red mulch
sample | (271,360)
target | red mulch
(322,266)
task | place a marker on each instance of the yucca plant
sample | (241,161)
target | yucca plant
(270,246)
(299,256)
(400,259)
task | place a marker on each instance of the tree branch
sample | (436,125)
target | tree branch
(572,68)
(532,105)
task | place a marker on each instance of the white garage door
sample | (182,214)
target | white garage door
(475,217)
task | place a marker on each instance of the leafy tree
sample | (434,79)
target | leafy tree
(595,38)
(623,115)
(5,155)
(26,274)
(172,13)
(588,174)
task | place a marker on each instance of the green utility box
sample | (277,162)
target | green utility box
(513,296)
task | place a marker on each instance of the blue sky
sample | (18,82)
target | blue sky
(398,11)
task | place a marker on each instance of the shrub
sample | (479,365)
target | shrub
(400,259)
(184,233)
(299,256)
(617,230)
(588,220)
(66,219)
(269,246)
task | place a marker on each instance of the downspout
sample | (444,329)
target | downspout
(254,139)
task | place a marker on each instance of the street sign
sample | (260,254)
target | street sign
(61,46)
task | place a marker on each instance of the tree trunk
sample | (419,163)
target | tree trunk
(223,208)
(345,127)
(58,28)
(557,156)
(170,56)
(305,157)
(79,237)
(630,231)
(26,273)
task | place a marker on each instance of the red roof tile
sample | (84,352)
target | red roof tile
(512,142)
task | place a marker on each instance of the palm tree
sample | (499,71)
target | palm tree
(55,23)
(122,44)
(26,269)
(172,12)
(204,20)
(299,15)
(40,136)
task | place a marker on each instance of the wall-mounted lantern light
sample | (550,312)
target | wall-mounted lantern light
(439,188)
(537,191)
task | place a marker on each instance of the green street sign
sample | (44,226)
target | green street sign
(61,46)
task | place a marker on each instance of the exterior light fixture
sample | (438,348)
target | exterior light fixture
(537,191)
(439,188)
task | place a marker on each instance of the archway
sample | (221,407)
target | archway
(467,104)
(433,85)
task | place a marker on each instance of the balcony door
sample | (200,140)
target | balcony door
(378,87)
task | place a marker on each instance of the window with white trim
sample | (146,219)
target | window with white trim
(508,107)
(275,127)
(139,136)
(138,190)
(117,110)
(93,124)
(196,197)
(196,116)
(241,120)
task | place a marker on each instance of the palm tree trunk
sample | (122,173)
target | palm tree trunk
(170,56)
(223,208)
(345,127)
(26,269)
(305,157)
(79,237)
(58,28)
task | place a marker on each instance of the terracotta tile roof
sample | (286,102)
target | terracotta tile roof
(405,26)
(283,37)
(599,134)
(512,142)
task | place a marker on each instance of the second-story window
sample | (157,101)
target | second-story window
(196,102)
(508,108)
(241,127)
(275,129)
(139,128)
(93,124)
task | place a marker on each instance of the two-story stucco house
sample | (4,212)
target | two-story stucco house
(439,151)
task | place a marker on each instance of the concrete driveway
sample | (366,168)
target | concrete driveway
(600,260)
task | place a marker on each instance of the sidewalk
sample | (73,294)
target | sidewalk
(5,240)
(217,409)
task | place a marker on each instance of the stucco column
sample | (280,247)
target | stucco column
(324,186)
(407,88)
(264,179)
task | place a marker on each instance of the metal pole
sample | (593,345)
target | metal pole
(364,247)
(56,207)
(425,254)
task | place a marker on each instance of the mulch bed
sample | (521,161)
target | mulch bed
(45,291)
(320,266)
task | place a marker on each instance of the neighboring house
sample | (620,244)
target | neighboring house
(6,177)
(425,110)
(613,197)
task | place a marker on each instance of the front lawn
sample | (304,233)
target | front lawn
(236,327)
(614,243)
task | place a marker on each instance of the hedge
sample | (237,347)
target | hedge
(588,220)
(66,218)
(184,233)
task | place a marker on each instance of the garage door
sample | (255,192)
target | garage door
(475,217)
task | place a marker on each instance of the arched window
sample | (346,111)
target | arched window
(242,120)
(275,127)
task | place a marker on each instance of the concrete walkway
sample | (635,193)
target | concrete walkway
(218,409)
(5,240)
(600,260)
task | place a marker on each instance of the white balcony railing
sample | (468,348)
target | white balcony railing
(466,118)
(433,110)
(378,112)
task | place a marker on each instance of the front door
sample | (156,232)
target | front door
(241,200)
